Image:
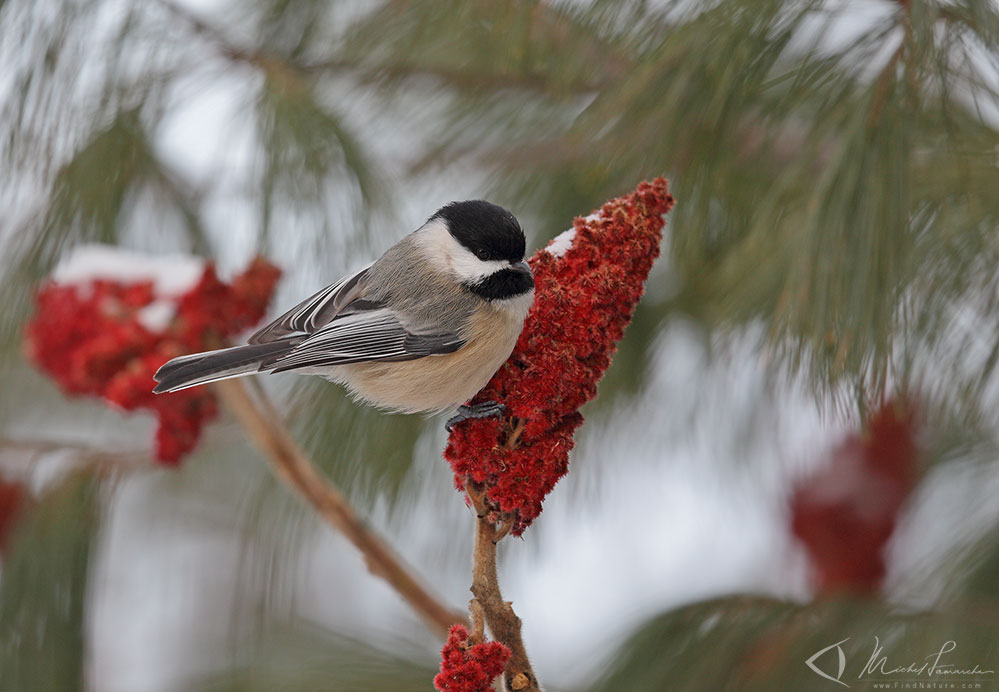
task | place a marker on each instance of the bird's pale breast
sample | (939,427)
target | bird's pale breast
(437,383)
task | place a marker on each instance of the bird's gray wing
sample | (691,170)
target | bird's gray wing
(315,311)
(365,331)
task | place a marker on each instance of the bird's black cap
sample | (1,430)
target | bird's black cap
(484,228)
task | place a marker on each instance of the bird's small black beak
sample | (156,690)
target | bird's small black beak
(523,267)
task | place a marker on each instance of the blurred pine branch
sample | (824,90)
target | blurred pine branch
(303,659)
(747,643)
(43,592)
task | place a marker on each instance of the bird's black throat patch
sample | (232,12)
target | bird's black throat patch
(506,283)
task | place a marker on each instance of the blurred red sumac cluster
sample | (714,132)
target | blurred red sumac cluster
(845,513)
(104,337)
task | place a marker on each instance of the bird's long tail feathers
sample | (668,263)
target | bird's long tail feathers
(201,368)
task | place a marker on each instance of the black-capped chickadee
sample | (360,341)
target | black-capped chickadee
(421,329)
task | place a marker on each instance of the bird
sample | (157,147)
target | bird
(420,330)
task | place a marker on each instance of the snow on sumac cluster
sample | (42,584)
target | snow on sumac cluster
(588,282)
(106,337)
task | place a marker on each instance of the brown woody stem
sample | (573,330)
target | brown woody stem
(264,426)
(503,623)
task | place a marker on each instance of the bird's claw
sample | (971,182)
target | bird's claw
(485,409)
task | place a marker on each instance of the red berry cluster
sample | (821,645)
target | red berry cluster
(845,513)
(90,339)
(585,297)
(469,668)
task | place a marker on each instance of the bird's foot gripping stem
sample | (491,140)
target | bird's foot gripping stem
(485,409)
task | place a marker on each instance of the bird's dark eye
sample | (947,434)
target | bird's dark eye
(483,255)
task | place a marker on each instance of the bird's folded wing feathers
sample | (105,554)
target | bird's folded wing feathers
(374,334)
(340,325)
(315,311)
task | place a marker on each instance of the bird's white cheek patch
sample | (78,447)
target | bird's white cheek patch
(470,268)
(441,246)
